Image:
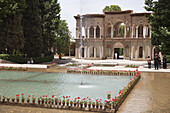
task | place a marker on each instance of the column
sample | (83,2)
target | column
(85,52)
(144,31)
(94,52)
(94,32)
(85,35)
(125,32)
(132,53)
(79,52)
(150,33)
(76,53)
(88,33)
(100,52)
(143,53)
(136,31)
(88,52)
(100,32)
(132,32)
(112,31)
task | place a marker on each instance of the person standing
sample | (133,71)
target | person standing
(159,61)
(156,62)
(149,62)
(31,61)
(115,55)
(164,62)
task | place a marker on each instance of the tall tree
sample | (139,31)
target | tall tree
(11,31)
(62,38)
(112,8)
(50,10)
(32,29)
(160,23)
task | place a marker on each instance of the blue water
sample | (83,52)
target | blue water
(60,84)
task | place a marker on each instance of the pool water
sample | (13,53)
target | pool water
(60,84)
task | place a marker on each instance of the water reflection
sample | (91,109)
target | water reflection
(150,95)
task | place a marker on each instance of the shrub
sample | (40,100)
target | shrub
(22,60)
(168,58)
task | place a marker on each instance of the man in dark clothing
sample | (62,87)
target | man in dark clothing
(156,61)
(164,62)
(149,62)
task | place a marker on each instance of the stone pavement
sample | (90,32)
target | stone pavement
(150,95)
(20,109)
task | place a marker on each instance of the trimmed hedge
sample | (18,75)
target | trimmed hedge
(22,60)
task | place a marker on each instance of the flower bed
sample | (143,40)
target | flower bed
(66,102)
(13,68)
(51,65)
(132,66)
(101,72)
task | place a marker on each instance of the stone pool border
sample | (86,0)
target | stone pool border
(106,108)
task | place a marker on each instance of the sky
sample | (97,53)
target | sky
(70,8)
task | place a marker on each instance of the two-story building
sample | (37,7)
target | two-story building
(103,36)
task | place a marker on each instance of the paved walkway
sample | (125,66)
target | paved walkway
(150,95)
(19,109)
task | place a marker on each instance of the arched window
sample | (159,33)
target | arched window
(140,31)
(109,32)
(91,31)
(97,31)
(140,52)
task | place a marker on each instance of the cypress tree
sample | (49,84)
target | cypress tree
(32,29)
(50,10)
(11,31)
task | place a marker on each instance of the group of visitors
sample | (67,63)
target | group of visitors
(30,61)
(157,62)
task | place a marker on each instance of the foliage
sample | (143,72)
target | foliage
(112,8)
(28,26)
(63,38)
(160,23)
(50,20)
(22,60)
(168,58)
(11,31)
(32,29)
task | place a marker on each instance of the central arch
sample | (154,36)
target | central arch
(118,50)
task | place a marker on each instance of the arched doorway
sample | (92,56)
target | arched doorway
(91,51)
(82,52)
(133,52)
(118,50)
(140,52)
(98,51)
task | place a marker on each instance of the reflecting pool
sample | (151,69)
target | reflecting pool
(60,84)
